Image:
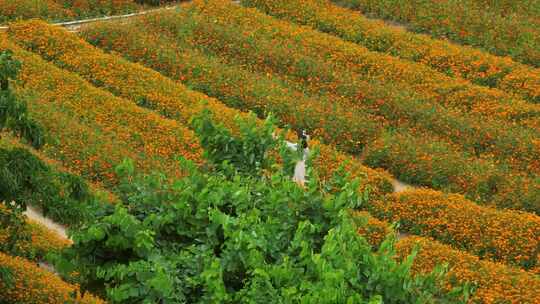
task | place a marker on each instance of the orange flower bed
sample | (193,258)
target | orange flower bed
(42,240)
(10,142)
(374,230)
(348,128)
(84,116)
(34,285)
(493,282)
(302,57)
(426,161)
(423,159)
(460,61)
(45,240)
(62,10)
(500,27)
(147,87)
(505,236)
(25,9)
(295,42)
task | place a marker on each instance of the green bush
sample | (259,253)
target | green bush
(217,237)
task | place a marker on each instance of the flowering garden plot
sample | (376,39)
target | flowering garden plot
(474,65)
(91,140)
(242,89)
(467,21)
(503,236)
(28,283)
(321,58)
(301,64)
(145,86)
(25,9)
(40,242)
(495,282)
(61,10)
(238,87)
(347,128)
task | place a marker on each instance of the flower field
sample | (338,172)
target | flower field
(32,284)
(458,61)
(503,236)
(410,158)
(427,83)
(145,86)
(344,84)
(496,282)
(60,10)
(490,25)
(128,130)
(174,193)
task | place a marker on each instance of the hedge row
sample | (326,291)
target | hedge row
(62,10)
(302,57)
(423,159)
(493,282)
(28,283)
(93,130)
(467,21)
(145,86)
(476,66)
(510,237)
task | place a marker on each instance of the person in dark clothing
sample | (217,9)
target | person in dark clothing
(303,138)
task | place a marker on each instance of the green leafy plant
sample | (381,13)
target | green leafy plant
(249,151)
(228,236)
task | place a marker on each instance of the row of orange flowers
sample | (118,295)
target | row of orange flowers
(309,59)
(60,10)
(493,282)
(506,236)
(30,284)
(421,158)
(500,27)
(146,87)
(472,64)
(91,130)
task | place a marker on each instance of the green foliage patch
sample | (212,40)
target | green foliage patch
(230,235)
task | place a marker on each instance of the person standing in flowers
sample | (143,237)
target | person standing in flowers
(303,138)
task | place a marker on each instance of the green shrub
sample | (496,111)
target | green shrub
(217,237)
